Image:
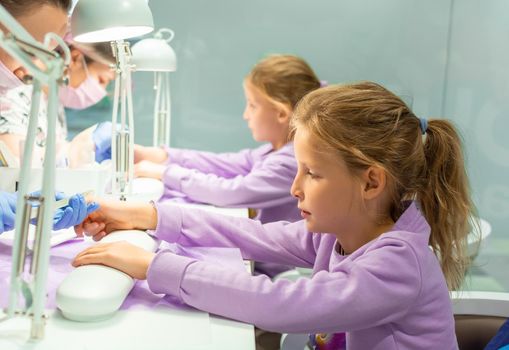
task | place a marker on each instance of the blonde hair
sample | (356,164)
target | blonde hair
(368,125)
(284,78)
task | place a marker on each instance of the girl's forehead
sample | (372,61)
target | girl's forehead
(305,136)
(306,142)
(251,88)
(310,149)
(257,94)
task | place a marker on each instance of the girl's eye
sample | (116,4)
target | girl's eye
(311,174)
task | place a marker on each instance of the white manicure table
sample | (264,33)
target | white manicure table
(157,328)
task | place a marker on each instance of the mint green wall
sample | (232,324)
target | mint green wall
(476,98)
(447,57)
(217,42)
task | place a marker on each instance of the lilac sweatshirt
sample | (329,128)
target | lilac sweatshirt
(256,178)
(388,294)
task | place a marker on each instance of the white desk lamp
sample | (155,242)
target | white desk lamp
(115,20)
(30,286)
(156,55)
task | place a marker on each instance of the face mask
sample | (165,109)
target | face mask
(87,94)
(7,78)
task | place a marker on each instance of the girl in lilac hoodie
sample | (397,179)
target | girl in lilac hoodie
(377,187)
(255,178)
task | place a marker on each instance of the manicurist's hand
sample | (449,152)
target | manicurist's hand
(122,256)
(7,210)
(102,141)
(73,213)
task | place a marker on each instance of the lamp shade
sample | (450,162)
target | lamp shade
(155,54)
(109,20)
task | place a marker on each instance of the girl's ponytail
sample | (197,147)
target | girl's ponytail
(445,199)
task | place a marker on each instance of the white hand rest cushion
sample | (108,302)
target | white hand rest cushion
(96,292)
(146,189)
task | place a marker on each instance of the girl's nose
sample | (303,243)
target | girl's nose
(296,191)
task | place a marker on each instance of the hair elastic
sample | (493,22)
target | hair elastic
(424,125)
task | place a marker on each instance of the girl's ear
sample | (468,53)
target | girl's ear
(374,181)
(285,112)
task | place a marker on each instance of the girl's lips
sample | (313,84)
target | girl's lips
(305,214)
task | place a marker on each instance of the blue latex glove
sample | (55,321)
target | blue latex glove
(74,213)
(7,211)
(102,141)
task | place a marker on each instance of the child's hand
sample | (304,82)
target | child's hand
(122,256)
(111,216)
(117,215)
(153,154)
(146,168)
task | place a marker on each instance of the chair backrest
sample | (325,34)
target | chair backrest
(480,303)
(478,317)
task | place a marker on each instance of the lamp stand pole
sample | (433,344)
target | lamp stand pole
(27,292)
(162,109)
(122,138)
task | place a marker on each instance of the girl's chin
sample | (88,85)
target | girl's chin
(310,226)
(257,138)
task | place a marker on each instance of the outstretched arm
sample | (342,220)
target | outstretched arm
(279,242)
(354,295)
(264,187)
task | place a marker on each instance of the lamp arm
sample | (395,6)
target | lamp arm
(130,115)
(40,259)
(61,43)
(24,52)
(123,144)
(160,34)
(167,122)
(23,47)
(157,107)
(19,246)
(31,285)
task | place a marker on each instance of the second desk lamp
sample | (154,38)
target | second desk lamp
(156,55)
(116,20)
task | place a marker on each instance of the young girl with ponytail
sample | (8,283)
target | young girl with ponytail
(376,186)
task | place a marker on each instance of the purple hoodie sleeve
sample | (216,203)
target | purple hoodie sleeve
(266,185)
(353,296)
(279,242)
(221,164)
